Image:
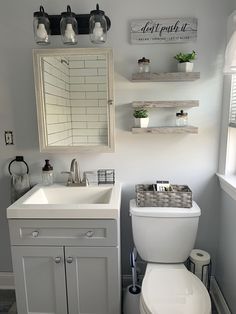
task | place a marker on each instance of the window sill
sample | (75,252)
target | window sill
(228,184)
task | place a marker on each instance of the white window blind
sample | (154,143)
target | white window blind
(232,116)
(230,55)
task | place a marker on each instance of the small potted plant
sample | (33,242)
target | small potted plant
(185,61)
(141,118)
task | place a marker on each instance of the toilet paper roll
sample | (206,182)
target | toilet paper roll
(199,259)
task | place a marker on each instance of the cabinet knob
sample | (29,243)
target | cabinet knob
(89,234)
(69,260)
(57,259)
(35,234)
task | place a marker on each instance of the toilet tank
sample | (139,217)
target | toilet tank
(164,234)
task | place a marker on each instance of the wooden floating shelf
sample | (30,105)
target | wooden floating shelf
(166,77)
(166,104)
(167,130)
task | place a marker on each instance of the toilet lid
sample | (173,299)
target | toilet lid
(169,289)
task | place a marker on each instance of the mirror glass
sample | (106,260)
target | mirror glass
(74,98)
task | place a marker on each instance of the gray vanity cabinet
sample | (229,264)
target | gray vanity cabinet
(40,280)
(66,266)
(91,280)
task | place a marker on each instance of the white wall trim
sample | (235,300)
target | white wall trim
(228,184)
(218,298)
(224,124)
(7,280)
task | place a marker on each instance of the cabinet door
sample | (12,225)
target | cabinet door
(93,280)
(39,279)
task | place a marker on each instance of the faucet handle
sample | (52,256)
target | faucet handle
(85,180)
(70,177)
(91,177)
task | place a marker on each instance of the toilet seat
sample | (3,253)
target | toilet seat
(172,289)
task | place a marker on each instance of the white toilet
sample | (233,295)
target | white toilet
(164,237)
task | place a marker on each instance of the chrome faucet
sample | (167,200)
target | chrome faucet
(75,175)
(74,178)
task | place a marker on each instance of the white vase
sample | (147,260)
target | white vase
(141,122)
(185,67)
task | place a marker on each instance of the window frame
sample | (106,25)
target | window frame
(227,155)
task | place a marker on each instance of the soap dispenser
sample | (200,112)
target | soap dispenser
(47,173)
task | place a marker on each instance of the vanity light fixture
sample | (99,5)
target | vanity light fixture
(41,27)
(69,25)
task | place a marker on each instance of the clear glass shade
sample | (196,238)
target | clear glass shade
(69,27)
(97,26)
(41,27)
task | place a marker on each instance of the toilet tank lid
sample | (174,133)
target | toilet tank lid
(194,211)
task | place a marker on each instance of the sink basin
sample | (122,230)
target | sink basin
(61,202)
(72,195)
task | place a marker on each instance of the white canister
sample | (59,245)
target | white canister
(132,300)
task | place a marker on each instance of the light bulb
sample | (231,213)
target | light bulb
(41,31)
(69,32)
(98,31)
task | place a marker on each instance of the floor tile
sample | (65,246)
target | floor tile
(7,302)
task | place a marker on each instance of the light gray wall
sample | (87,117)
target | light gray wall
(188,159)
(233,2)
(226,253)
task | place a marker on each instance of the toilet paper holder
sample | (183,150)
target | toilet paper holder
(205,273)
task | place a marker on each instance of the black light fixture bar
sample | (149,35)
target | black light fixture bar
(82,20)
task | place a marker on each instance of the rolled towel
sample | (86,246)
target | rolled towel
(20,184)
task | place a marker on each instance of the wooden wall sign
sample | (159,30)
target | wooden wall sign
(161,31)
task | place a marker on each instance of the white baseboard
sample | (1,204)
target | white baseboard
(218,298)
(7,280)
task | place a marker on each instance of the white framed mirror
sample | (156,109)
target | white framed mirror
(74,98)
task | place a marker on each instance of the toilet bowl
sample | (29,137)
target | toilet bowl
(172,289)
(164,237)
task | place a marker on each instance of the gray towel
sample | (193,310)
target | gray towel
(20,184)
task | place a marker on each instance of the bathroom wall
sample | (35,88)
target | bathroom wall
(226,253)
(187,159)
